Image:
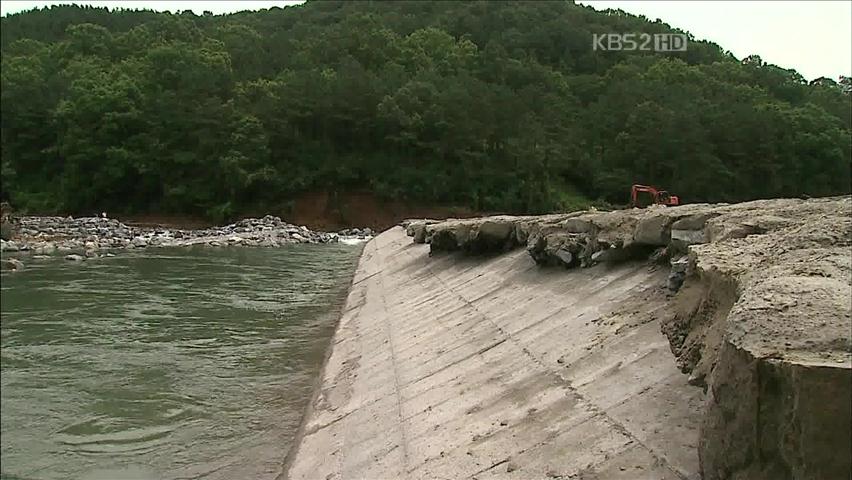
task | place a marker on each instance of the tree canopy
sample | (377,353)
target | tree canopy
(491,105)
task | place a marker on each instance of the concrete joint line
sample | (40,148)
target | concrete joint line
(389,334)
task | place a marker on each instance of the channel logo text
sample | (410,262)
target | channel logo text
(640,42)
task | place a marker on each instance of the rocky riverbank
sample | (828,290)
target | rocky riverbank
(761,318)
(88,237)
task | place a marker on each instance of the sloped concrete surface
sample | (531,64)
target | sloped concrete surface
(450,367)
(762,320)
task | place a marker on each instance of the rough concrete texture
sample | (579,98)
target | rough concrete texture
(763,319)
(452,367)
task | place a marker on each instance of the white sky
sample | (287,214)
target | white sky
(813,37)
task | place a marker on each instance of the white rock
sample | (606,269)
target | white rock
(565,256)
(689,237)
(680,264)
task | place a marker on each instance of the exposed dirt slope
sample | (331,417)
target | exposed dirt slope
(331,211)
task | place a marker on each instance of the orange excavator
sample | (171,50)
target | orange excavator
(658,197)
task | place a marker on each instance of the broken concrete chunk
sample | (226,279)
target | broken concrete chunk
(688,237)
(655,230)
(492,235)
(565,256)
(772,418)
(577,225)
(417,228)
(694,222)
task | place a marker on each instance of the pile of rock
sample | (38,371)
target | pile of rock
(417,228)
(47,235)
(360,233)
(269,231)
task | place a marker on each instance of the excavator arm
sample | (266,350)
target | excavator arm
(660,197)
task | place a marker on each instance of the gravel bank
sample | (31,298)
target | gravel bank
(93,236)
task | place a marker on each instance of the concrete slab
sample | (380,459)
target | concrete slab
(449,367)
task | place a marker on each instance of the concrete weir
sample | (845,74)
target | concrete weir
(451,367)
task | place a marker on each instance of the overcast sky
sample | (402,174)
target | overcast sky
(813,37)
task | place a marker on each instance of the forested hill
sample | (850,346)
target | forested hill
(490,105)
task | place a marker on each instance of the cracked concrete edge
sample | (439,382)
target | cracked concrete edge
(788,261)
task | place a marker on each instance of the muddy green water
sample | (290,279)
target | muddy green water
(164,364)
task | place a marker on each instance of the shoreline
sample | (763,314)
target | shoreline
(92,237)
(316,391)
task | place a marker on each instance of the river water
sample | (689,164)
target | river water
(193,363)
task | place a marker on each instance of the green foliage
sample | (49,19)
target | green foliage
(498,106)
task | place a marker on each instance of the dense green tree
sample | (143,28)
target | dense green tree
(492,105)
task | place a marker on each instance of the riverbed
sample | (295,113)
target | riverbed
(165,363)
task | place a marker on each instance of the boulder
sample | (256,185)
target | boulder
(556,249)
(417,228)
(653,230)
(6,230)
(491,235)
(11,264)
(418,231)
(611,254)
(5,216)
(75,257)
(479,235)
(577,225)
(448,236)
(688,237)
(695,221)
(565,256)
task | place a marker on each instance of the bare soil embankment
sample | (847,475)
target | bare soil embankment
(331,211)
(761,319)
